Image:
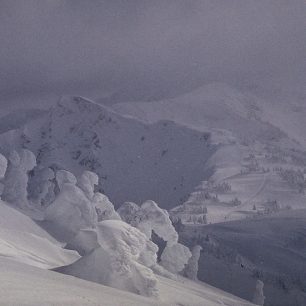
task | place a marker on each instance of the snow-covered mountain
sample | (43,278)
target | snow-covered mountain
(256,152)
(216,107)
(135,161)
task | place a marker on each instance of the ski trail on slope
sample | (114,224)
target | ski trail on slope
(252,197)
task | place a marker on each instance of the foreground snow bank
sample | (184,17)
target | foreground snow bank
(57,289)
(22,240)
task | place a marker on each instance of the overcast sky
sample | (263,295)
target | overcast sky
(142,49)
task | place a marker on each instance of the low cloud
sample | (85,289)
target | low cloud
(143,49)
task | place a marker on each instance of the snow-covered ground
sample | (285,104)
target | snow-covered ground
(17,283)
(22,240)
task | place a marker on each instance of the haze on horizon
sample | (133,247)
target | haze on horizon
(146,50)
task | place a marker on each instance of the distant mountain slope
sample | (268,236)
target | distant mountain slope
(257,142)
(214,106)
(272,249)
(135,161)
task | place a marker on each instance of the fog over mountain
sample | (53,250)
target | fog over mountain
(147,50)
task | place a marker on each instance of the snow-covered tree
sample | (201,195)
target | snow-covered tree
(191,269)
(122,259)
(175,257)
(16,177)
(259,298)
(41,188)
(3,167)
(149,217)
(157,219)
(104,208)
(87,183)
(130,213)
(71,210)
(63,177)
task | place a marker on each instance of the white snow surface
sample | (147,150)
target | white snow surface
(24,241)
(18,280)
(175,257)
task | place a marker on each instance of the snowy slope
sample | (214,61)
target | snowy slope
(244,126)
(216,107)
(18,280)
(135,161)
(22,240)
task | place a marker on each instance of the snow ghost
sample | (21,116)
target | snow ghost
(175,257)
(3,166)
(130,213)
(63,177)
(71,210)
(149,217)
(259,298)
(41,188)
(122,260)
(16,177)
(191,269)
(87,183)
(104,208)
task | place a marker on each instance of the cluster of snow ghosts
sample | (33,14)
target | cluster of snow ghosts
(148,218)
(116,247)
(114,253)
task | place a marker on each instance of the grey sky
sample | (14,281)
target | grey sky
(142,49)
